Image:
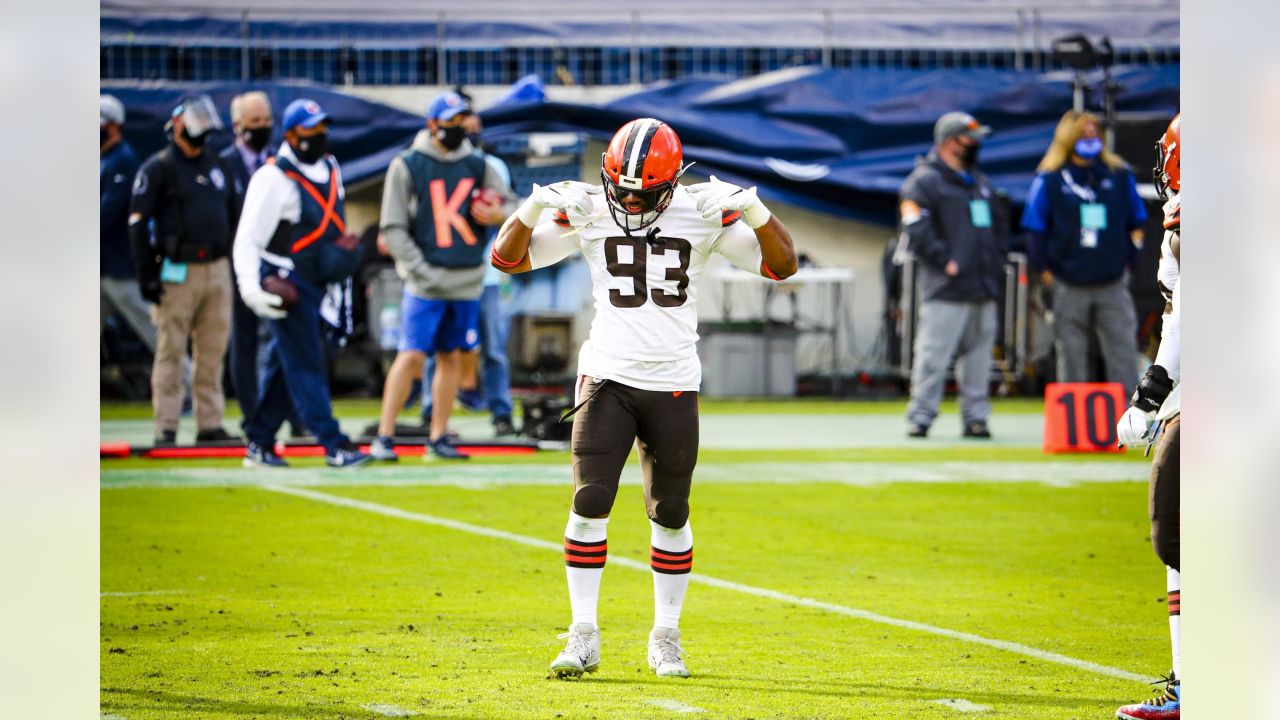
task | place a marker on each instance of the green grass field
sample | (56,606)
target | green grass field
(932,580)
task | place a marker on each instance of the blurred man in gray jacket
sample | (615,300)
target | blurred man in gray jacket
(956,232)
(439,196)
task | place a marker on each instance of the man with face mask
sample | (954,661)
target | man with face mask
(292,240)
(1084,221)
(117,165)
(954,227)
(250,339)
(436,233)
(183,193)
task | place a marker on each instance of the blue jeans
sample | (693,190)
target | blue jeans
(495,325)
(297,378)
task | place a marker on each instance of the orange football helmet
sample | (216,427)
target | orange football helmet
(1168,174)
(644,160)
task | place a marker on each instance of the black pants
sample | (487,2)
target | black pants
(1164,504)
(664,428)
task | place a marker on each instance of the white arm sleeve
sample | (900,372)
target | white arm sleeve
(1169,356)
(263,210)
(547,247)
(738,243)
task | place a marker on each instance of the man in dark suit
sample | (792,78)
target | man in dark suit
(252,125)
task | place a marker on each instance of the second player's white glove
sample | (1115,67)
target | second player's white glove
(1136,428)
(718,197)
(569,196)
(264,304)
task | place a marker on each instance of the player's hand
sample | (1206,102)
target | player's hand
(570,196)
(1136,428)
(264,304)
(718,197)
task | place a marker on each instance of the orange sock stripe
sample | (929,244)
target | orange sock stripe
(582,560)
(574,547)
(670,566)
(674,557)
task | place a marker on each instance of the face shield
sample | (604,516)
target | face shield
(199,116)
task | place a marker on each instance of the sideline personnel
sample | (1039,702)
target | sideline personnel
(185,273)
(292,238)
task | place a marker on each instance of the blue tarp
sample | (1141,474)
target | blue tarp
(841,141)
(837,141)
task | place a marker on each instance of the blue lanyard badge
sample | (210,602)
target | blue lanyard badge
(980,213)
(173,272)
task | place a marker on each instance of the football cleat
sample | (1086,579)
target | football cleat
(256,455)
(1162,707)
(666,657)
(383,448)
(580,655)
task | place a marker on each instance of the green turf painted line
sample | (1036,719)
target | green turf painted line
(1017,648)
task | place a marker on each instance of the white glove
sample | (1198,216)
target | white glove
(264,304)
(1136,428)
(569,196)
(717,197)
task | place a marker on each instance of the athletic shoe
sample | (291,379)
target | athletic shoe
(581,654)
(257,456)
(471,399)
(346,455)
(216,435)
(166,438)
(917,430)
(666,657)
(1162,707)
(977,429)
(502,426)
(444,449)
(383,448)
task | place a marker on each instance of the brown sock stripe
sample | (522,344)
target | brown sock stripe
(670,563)
(582,554)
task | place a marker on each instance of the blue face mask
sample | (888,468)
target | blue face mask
(1089,148)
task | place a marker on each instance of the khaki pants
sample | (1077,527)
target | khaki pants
(199,310)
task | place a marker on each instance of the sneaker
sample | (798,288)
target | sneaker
(580,655)
(977,429)
(166,438)
(216,435)
(256,455)
(1162,707)
(444,449)
(346,455)
(666,657)
(383,448)
(471,399)
(502,426)
(917,430)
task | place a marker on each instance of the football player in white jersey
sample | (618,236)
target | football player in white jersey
(1155,411)
(647,240)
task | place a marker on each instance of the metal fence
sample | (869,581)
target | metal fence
(244,49)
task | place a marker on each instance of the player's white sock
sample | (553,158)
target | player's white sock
(671,558)
(585,551)
(1174,583)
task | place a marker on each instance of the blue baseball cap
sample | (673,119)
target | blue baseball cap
(303,113)
(446,105)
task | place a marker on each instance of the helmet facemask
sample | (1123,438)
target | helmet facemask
(656,198)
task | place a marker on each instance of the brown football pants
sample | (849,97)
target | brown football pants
(1164,504)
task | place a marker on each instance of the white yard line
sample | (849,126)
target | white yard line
(1017,648)
(674,706)
(961,705)
(389,710)
(141,592)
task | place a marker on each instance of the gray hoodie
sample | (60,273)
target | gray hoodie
(399,208)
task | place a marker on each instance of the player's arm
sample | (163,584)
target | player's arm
(263,209)
(526,242)
(734,204)
(916,207)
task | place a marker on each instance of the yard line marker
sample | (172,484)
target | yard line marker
(961,705)
(141,592)
(389,710)
(1017,648)
(675,706)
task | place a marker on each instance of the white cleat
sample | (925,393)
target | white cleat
(581,654)
(666,657)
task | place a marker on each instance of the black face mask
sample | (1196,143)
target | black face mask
(256,138)
(195,142)
(311,149)
(451,137)
(102,136)
(969,155)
